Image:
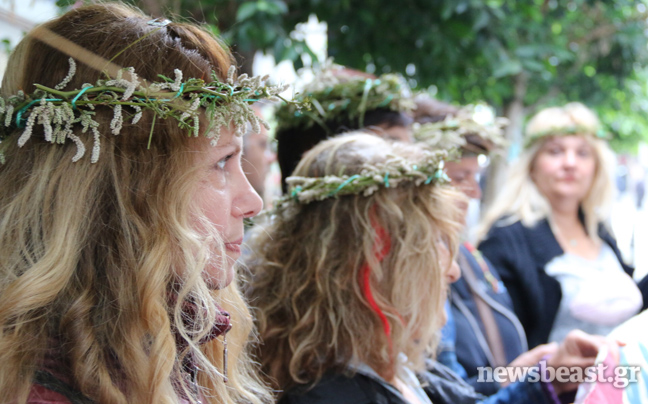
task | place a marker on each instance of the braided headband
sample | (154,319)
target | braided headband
(394,172)
(450,133)
(59,112)
(567,131)
(337,97)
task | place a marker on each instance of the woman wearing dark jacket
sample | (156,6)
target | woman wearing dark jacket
(350,275)
(546,235)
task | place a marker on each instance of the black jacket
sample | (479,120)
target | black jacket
(520,254)
(440,383)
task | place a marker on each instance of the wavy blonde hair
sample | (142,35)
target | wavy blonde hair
(313,316)
(92,252)
(520,198)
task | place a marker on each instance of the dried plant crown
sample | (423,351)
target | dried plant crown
(395,171)
(450,133)
(62,113)
(336,95)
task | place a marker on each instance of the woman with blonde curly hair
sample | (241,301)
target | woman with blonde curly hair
(116,263)
(349,278)
(546,233)
(363,267)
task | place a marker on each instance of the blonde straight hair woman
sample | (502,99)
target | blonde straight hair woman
(121,215)
(546,233)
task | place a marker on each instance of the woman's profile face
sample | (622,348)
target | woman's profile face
(451,271)
(225,198)
(564,167)
(463,175)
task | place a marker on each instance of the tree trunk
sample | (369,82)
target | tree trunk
(152,7)
(515,113)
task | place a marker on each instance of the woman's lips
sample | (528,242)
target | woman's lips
(234,246)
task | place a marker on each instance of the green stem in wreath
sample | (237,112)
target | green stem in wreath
(151,133)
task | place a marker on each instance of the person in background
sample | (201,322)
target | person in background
(342,100)
(486,330)
(546,233)
(121,214)
(349,276)
(257,155)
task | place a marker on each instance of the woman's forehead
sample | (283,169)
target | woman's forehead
(227,138)
(568,140)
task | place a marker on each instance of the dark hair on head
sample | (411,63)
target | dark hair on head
(386,118)
(293,142)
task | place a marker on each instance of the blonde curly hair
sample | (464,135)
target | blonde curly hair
(308,268)
(92,252)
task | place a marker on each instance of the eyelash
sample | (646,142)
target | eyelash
(221,163)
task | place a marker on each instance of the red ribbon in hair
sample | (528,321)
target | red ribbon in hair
(381,247)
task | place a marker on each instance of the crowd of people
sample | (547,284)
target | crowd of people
(134,156)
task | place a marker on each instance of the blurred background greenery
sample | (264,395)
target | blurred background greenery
(517,56)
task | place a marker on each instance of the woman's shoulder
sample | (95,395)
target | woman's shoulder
(512,230)
(505,225)
(340,389)
(504,231)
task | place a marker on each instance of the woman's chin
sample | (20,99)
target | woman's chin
(218,279)
(565,193)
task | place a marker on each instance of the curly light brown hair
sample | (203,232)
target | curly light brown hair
(314,316)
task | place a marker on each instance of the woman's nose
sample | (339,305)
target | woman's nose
(453,273)
(250,203)
(570,158)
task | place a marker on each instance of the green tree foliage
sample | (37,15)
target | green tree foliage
(516,55)
(505,52)
(247,25)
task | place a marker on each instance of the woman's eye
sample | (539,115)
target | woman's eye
(221,163)
(584,153)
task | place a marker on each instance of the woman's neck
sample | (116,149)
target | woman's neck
(565,217)
(565,209)
(570,231)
